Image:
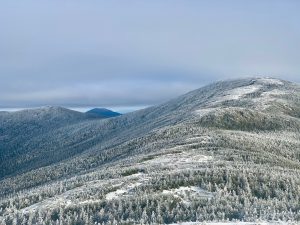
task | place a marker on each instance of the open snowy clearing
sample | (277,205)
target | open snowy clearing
(270,81)
(128,189)
(179,158)
(236,93)
(124,191)
(184,193)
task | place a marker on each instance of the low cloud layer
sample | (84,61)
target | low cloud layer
(131,53)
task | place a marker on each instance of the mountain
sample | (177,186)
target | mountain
(23,133)
(227,151)
(102,113)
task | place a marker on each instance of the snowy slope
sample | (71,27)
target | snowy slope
(227,151)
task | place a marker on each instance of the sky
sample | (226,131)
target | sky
(131,54)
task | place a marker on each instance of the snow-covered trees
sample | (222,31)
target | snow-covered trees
(165,164)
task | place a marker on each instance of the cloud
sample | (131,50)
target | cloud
(82,53)
(123,93)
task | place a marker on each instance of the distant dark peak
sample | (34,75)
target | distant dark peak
(102,113)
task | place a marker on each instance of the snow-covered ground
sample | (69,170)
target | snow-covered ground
(205,111)
(236,94)
(271,81)
(236,223)
(123,191)
(184,157)
(203,139)
(273,93)
(184,193)
(127,189)
(233,94)
(262,101)
(116,194)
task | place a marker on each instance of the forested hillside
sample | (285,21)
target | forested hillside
(227,151)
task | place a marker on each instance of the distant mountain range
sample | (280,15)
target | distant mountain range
(102,113)
(227,151)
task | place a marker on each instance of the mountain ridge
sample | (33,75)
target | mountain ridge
(216,143)
(184,106)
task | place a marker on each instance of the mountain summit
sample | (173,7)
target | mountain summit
(102,113)
(227,151)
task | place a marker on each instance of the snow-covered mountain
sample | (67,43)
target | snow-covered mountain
(22,133)
(227,151)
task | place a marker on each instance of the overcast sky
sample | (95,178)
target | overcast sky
(82,53)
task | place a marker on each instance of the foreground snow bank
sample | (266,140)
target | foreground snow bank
(235,223)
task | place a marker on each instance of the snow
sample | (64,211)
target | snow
(238,93)
(115,194)
(233,94)
(124,191)
(235,223)
(200,139)
(261,102)
(264,101)
(205,111)
(274,93)
(192,191)
(48,203)
(179,158)
(271,81)
(127,189)
(66,198)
